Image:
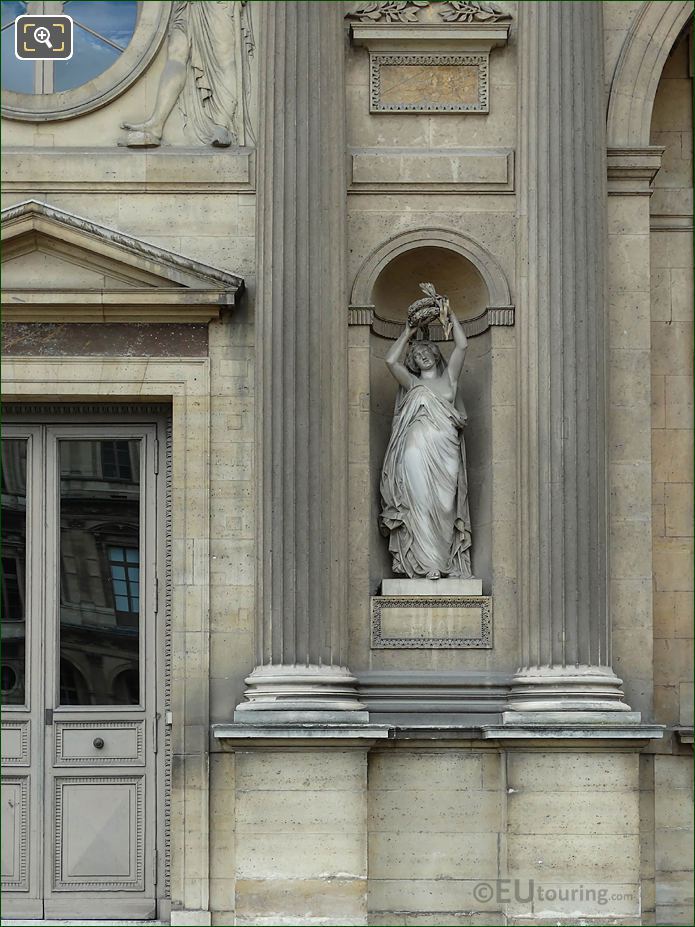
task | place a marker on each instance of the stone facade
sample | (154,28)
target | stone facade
(307,776)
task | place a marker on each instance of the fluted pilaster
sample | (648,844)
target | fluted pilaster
(302,364)
(563,571)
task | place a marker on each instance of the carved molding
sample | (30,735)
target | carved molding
(136,759)
(23,728)
(162,286)
(652,35)
(409,11)
(18,879)
(137,881)
(631,171)
(392,328)
(482,642)
(500,310)
(377,104)
(167,656)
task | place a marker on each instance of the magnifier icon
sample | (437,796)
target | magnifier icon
(44,36)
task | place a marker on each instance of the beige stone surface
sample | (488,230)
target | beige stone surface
(259,836)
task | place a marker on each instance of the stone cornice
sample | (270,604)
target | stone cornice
(631,171)
(157,285)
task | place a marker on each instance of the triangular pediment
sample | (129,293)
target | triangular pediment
(62,267)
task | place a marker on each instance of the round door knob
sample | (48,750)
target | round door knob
(98,742)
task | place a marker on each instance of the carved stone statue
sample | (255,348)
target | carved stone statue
(424,484)
(207,50)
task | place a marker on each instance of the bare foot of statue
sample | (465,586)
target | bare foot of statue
(141,135)
(149,126)
(434,574)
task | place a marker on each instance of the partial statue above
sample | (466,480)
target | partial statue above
(408,11)
(206,72)
(424,484)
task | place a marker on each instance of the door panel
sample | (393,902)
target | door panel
(15,833)
(99,743)
(100,833)
(79,829)
(15,743)
(21,670)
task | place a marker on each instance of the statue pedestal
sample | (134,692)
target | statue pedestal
(432,587)
(422,621)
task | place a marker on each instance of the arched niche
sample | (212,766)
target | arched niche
(388,284)
(397,286)
(648,44)
(458,265)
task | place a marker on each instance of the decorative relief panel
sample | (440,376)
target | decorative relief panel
(429,57)
(15,743)
(15,833)
(435,83)
(432,623)
(411,11)
(110,854)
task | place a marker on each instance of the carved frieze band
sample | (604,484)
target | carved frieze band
(409,11)
(392,328)
(430,611)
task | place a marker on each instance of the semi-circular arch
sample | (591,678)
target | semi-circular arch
(497,286)
(642,58)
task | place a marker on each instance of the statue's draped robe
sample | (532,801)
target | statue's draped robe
(209,99)
(424,487)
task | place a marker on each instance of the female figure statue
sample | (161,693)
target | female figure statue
(202,74)
(424,486)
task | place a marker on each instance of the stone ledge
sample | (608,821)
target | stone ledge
(684,734)
(120,170)
(573,726)
(316,734)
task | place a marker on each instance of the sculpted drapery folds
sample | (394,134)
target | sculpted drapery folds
(206,72)
(424,483)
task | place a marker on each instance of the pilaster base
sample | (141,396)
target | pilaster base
(566,688)
(281,694)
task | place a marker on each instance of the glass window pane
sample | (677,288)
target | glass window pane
(91,56)
(10,11)
(113,19)
(14,558)
(16,75)
(99,609)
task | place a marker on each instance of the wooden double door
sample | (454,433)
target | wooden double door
(81,667)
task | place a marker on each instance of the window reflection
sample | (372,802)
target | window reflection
(14,543)
(99,571)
